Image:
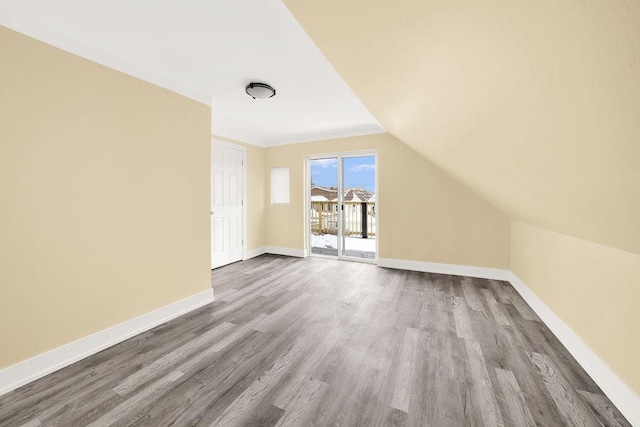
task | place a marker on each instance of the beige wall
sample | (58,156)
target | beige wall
(256,193)
(533,105)
(593,288)
(424,214)
(104,186)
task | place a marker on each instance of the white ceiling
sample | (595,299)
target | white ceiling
(209,50)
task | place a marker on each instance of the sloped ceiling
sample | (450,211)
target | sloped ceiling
(534,105)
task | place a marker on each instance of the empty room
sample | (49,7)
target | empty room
(303,212)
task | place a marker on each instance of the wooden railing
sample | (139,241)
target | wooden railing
(324,218)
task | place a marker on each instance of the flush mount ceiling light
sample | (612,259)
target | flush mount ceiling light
(260,90)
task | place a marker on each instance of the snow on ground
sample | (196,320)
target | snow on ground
(351,243)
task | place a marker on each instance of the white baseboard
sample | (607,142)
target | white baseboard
(625,399)
(454,269)
(278,250)
(615,388)
(252,253)
(43,364)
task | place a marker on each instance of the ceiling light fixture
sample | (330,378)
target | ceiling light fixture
(260,90)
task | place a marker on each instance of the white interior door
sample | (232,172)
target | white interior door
(226,204)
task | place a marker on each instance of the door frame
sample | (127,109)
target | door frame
(243,149)
(307,202)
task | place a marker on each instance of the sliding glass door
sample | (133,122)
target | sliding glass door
(342,206)
(359,207)
(323,204)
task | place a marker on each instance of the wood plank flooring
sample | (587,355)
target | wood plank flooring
(299,342)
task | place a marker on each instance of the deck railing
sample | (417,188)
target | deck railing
(324,218)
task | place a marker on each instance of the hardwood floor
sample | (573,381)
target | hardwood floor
(300,342)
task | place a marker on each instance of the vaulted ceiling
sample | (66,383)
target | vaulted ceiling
(534,105)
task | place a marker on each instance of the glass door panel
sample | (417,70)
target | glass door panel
(358,194)
(323,207)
